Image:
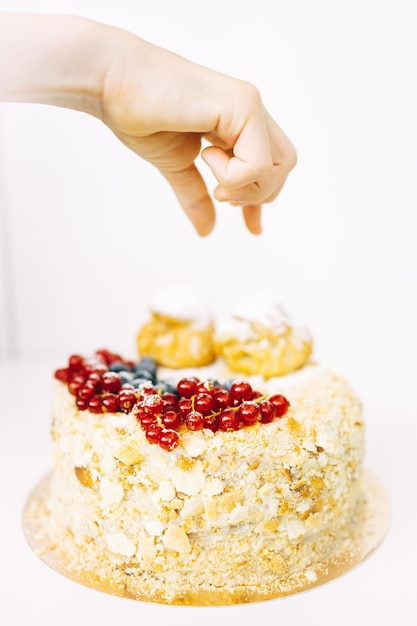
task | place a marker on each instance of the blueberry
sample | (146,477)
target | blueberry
(146,363)
(126,376)
(145,374)
(167,386)
(118,366)
(137,381)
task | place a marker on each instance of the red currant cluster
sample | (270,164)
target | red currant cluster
(193,403)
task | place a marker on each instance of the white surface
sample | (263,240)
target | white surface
(380,591)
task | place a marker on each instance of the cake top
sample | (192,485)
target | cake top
(108,383)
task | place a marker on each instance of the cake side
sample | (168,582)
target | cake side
(233,510)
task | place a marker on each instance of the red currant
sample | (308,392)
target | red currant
(280,404)
(82,405)
(186,386)
(228,420)
(171,419)
(211,422)
(194,420)
(267,411)
(204,386)
(170,400)
(127,399)
(168,440)
(95,367)
(221,398)
(74,387)
(139,411)
(153,403)
(75,362)
(203,403)
(110,403)
(240,391)
(184,406)
(108,357)
(249,413)
(95,404)
(147,420)
(86,391)
(63,374)
(111,382)
(153,432)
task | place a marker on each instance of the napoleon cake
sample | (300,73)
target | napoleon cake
(192,487)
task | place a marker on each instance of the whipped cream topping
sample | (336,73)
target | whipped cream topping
(258,309)
(180,302)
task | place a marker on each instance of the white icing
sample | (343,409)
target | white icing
(180,302)
(258,309)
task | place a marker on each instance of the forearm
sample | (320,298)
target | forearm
(53,59)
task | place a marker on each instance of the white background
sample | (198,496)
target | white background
(89,232)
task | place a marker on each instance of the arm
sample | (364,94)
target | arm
(157,103)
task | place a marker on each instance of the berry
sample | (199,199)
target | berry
(211,422)
(146,390)
(111,382)
(82,405)
(171,419)
(221,398)
(125,376)
(147,420)
(204,386)
(153,403)
(280,404)
(139,411)
(127,399)
(63,374)
(186,387)
(95,404)
(184,406)
(110,403)
(95,367)
(249,413)
(74,387)
(168,440)
(167,386)
(153,432)
(194,420)
(75,362)
(108,357)
(146,368)
(170,400)
(203,403)
(118,366)
(228,420)
(86,391)
(79,378)
(94,379)
(241,391)
(267,411)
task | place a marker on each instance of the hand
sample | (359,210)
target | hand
(160,105)
(163,107)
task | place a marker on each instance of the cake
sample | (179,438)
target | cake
(240,497)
